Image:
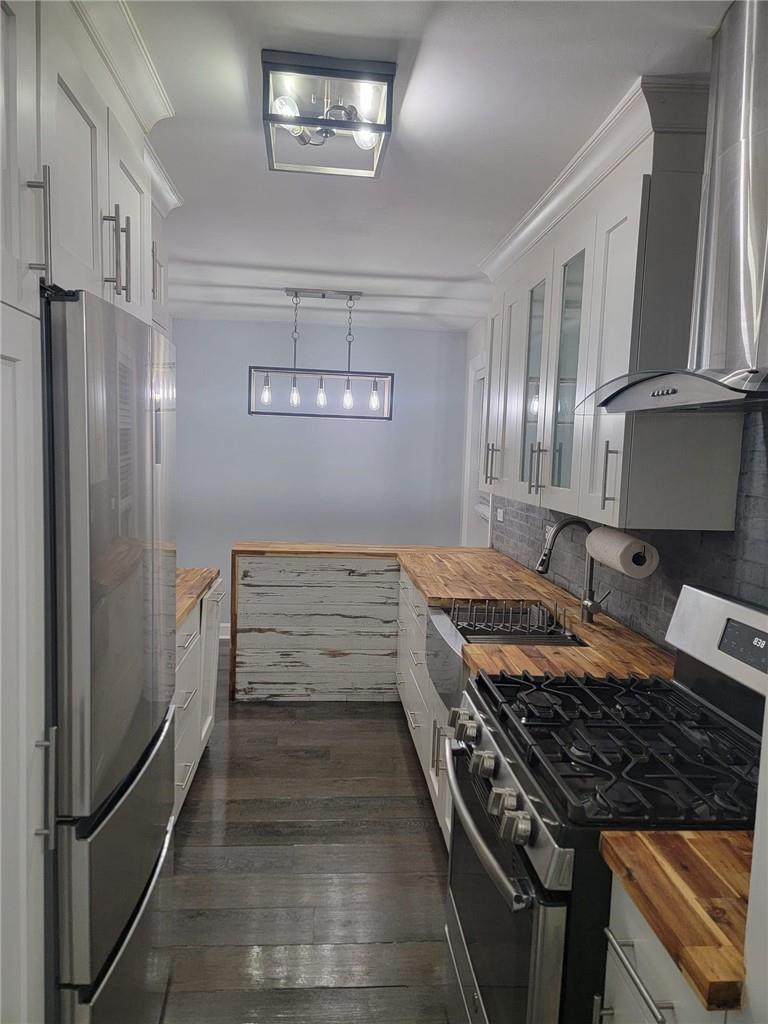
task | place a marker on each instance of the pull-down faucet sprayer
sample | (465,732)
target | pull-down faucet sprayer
(589,606)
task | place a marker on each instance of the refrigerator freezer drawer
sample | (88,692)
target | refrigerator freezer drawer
(103,875)
(133,987)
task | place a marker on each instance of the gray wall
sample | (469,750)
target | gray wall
(242,477)
(735,563)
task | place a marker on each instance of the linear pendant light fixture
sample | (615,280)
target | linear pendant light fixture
(338,394)
(323,115)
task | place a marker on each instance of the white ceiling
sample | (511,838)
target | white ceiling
(491,101)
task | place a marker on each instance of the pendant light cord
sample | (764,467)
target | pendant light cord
(295,332)
(350,335)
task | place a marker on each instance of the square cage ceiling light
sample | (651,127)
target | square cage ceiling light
(323,115)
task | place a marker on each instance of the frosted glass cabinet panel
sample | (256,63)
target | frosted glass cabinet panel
(567,370)
(533,383)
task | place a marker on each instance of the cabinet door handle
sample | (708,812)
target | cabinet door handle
(413,658)
(154,271)
(127,232)
(412,719)
(44,184)
(654,1008)
(531,455)
(539,452)
(190,768)
(400,678)
(114,219)
(607,452)
(492,448)
(190,697)
(219,596)
(190,637)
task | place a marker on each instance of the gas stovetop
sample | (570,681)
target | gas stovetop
(617,752)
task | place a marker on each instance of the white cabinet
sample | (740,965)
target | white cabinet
(425,713)
(209,658)
(22,711)
(661,983)
(22,241)
(74,147)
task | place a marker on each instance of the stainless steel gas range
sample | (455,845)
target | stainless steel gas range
(540,765)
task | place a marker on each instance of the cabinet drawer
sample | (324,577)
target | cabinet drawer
(187,633)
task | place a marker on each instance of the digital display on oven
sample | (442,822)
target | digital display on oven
(746,643)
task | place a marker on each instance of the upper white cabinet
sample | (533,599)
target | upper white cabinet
(74,149)
(164,198)
(79,94)
(605,290)
(21,216)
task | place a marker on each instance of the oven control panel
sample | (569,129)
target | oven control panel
(745,642)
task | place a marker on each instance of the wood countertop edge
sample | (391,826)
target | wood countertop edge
(192,584)
(682,891)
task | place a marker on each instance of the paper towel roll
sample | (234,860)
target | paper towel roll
(625,554)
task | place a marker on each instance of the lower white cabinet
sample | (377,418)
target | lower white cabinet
(197,649)
(641,975)
(425,713)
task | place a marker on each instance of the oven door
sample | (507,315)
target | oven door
(506,934)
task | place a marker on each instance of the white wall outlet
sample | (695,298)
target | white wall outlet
(499,515)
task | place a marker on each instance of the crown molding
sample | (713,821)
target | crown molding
(654,104)
(165,195)
(117,38)
(218,291)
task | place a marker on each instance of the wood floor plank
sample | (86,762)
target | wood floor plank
(273,833)
(388,857)
(353,965)
(332,808)
(395,1005)
(413,921)
(335,891)
(222,787)
(236,927)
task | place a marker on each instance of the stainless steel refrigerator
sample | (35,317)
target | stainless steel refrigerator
(111,572)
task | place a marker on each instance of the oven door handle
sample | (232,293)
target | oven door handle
(513,896)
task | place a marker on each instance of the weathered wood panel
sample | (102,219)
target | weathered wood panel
(316,628)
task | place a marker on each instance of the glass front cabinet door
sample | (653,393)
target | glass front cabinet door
(559,471)
(528,304)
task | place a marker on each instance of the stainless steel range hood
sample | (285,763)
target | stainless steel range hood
(728,354)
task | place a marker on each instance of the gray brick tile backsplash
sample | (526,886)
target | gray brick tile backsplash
(733,563)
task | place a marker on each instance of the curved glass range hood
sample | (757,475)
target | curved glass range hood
(728,354)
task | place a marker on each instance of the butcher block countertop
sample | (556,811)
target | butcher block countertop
(191,585)
(692,889)
(444,573)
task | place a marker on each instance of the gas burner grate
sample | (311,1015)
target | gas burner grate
(629,751)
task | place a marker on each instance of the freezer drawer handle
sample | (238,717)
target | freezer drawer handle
(190,768)
(654,1008)
(513,895)
(150,891)
(188,642)
(49,829)
(190,696)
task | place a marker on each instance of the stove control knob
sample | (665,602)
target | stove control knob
(468,730)
(516,826)
(500,800)
(483,763)
(454,717)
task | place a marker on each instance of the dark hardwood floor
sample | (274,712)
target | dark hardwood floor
(310,873)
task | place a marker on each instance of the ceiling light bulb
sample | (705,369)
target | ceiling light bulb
(365,138)
(322,398)
(286,106)
(347,401)
(374,402)
(295,398)
(266,391)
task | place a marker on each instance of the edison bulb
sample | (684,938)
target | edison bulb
(365,138)
(295,398)
(348,401)
(286,106)
(374,402)
(266,391)
(322,399)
